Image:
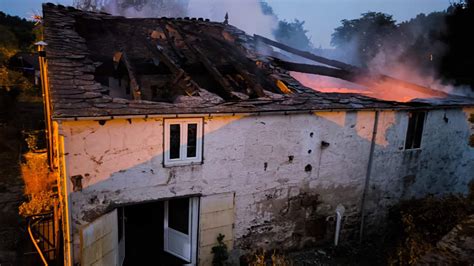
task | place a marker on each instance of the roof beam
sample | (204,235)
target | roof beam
(210,67)
(136,92)
(243,65)
(170,40)
(356,72)
(305,54)
(181,77)
(353,76)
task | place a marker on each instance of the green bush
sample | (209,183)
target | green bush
(220,252)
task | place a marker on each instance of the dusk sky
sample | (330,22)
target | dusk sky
(321,16)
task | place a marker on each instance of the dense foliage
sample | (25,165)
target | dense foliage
(437,44)
(458,62)
(293,34)
(366,35)
(17,35)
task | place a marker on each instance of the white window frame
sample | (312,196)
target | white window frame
(183,159)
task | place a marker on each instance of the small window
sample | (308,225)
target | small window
(183,141)
(416,122)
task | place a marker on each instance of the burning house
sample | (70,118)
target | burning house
(165,133)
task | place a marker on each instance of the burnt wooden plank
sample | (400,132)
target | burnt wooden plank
(131,74)
(181,78)
(373,81)
(304,54)
(362,74)
(171,43)
(210,67)
(244,67)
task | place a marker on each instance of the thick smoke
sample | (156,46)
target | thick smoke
(407,54)
(412,52)
(136,8)
(244,14)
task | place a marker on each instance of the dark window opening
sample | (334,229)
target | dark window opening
(120,223)
(175,141)
(179,215)
(415,130)
(192,140)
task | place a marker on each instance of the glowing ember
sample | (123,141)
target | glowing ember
(385,90)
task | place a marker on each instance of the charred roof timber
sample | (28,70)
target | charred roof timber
(101,65)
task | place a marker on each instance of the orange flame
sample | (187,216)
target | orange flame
(382,90)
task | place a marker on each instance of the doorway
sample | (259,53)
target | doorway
(160,233)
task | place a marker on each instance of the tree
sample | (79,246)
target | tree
(458,63)
(419,44)
(17,35)
(21,28)
(293,34)
(365,36)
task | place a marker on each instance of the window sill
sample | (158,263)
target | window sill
(413,150)
(180,164)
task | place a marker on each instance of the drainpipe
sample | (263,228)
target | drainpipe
(367,176)
(46,100)
(339,213)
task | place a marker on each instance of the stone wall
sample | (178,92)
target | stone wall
(288,172)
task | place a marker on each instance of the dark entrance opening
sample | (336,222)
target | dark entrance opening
(144,236)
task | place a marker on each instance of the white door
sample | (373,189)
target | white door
(99,241)
(180,228)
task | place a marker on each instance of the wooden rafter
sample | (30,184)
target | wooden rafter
(346,71)
(180,76)
(352,76)
(244,67)
(210,67)
(305,54)
(131,75)
(170,41)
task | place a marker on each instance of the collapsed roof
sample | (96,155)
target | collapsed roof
(103,65)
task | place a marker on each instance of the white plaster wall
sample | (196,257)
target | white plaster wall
(443,164)
(281,203)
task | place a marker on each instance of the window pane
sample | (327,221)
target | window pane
(178,215)
(192,139)
(175,141)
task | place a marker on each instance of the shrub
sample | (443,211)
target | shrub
(39,203)
(220,252)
